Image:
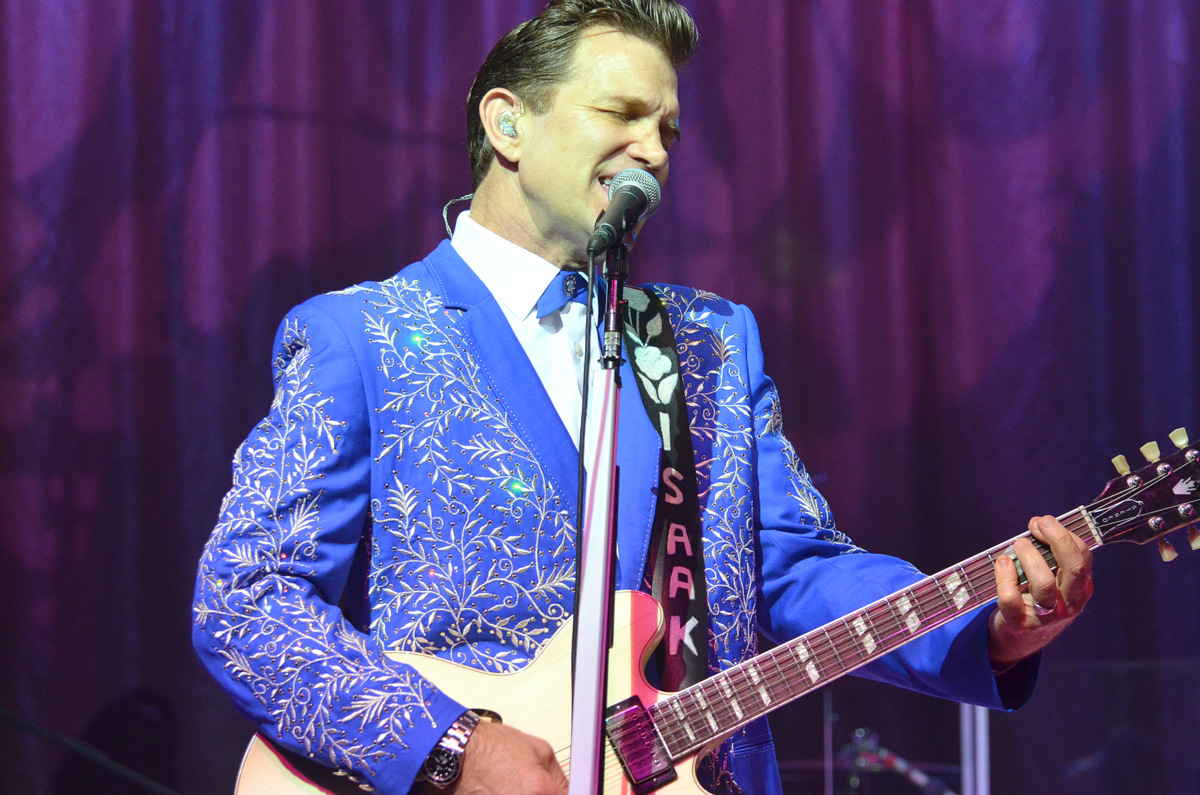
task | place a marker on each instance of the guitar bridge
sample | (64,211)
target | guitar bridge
(638,745)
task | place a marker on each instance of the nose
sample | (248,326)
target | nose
(649,152)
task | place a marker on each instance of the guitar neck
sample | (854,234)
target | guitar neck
(726,701)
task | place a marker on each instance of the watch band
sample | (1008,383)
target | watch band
(444,763)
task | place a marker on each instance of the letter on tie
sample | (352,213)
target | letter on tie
(682,633)
(677,533)
(681,578)
(671,478)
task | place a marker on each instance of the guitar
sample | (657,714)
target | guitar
(655,739)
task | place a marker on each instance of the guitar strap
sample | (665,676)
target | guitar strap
(675,563)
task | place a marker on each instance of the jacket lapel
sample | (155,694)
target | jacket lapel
(506,367)
(638,449)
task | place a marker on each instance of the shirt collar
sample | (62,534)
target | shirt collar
(516,277)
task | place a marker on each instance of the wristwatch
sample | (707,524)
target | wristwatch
(444,763)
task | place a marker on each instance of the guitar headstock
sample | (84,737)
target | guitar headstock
(1160,497)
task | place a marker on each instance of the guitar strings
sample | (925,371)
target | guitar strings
(614,771)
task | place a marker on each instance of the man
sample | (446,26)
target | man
(412,488)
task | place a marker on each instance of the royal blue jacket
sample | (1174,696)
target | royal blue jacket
(413,489)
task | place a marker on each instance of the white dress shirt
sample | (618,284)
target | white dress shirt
(517,278)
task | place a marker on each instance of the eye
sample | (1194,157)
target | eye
(670,137)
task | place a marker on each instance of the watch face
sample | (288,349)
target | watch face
(442,765)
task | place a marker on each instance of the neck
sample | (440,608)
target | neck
(502,211)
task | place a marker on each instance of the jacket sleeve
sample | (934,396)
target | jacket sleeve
(813,574)
(266,621)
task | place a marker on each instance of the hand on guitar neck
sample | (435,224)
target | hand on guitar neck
(501,759)
(1024,622)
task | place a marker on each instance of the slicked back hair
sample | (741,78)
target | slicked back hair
(535,58)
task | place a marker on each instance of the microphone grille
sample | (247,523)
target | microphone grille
(642,179)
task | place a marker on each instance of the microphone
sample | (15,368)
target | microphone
(633,195)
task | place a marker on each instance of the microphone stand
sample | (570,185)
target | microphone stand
(596,552)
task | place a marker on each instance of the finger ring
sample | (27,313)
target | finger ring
(1042,612)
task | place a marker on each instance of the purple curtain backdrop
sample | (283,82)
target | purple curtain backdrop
(967,230)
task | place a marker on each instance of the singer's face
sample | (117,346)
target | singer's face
(618,110)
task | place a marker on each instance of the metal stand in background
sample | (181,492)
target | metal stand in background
(868,755)
(593,618)
(863,757)
(976,762)
(829,718)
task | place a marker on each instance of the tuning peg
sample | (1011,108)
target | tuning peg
(1179,437)
(1150,450)
(1121,464)
(1166,550)
(1194,538)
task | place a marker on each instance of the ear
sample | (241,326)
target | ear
(499,110)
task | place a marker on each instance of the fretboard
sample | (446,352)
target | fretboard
(732,698)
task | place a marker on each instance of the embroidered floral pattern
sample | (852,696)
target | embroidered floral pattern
(802,490)
(473,545)
(350,708)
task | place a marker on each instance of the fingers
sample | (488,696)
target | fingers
(1073,581)
(1043,587)
(550,764)
(557,776)
(1024,623)
(1008,591)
